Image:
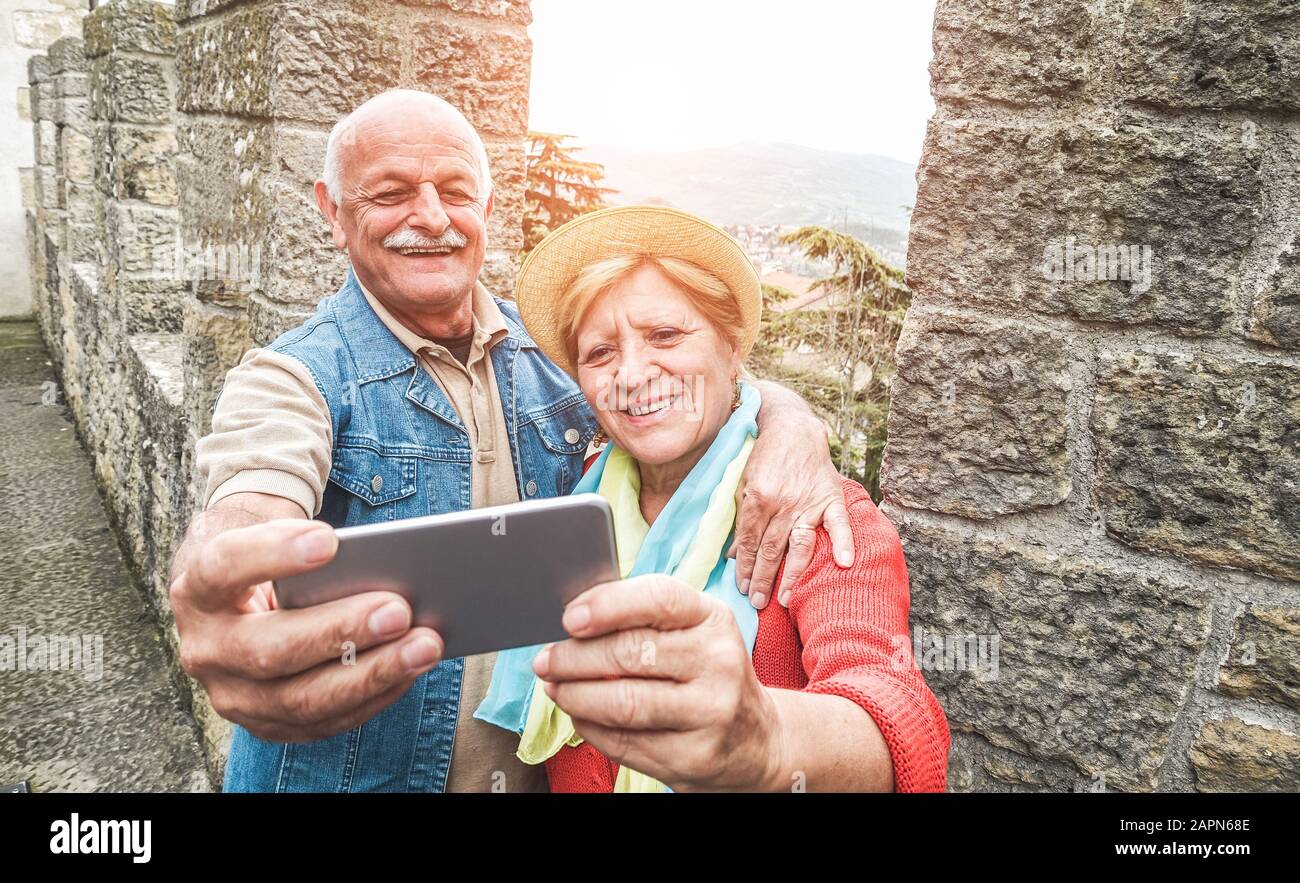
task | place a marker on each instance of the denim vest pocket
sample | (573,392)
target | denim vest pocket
(375,477)
(564,429)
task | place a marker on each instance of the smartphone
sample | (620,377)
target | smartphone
(484,579)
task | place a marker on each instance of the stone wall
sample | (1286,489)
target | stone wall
(26,28)
(1096,468)
(173,225)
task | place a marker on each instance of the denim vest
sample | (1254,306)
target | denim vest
(400,451)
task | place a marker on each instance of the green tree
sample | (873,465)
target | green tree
(559,186)
(852,331)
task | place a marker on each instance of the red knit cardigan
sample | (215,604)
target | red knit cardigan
(844,634)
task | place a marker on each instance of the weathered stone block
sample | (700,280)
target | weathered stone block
(215,339)
(131,89)
(1013,216)
(1232,755)
(43,98)
(505,228)
(131,26)
(76,156)
(188,9)
(67,55)
(71,112)
(500,268)
(217,170)
(1275,318)
(151,305)
(85,294)
(1094,660)
(1023,51)
(71,85)
(1200,456)
(978,417)
(307,266)
(48,194)
(484,73)
(248,188)
(85,243)
(38,69)
(137,163)
(144,238)
(1213,53)
(1264,660)
(79,200)
(226,65)
(281,60)
(157,378)
(45,138)
(267,319)
(517,11)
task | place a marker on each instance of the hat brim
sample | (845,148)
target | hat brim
(556,261)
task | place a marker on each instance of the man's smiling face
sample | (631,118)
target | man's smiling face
(413,206)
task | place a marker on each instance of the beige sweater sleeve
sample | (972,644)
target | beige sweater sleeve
(271,434)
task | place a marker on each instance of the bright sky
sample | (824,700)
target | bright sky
(845,75)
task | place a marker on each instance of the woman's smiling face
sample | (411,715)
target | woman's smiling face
(658,374)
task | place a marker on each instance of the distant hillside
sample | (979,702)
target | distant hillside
(768,184)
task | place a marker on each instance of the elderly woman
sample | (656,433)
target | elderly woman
(671,678)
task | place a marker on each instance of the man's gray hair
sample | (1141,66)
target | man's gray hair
(333,173)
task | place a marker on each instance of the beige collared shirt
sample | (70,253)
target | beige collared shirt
(271,434)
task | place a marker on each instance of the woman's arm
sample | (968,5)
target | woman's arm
(853,625)
(827,743)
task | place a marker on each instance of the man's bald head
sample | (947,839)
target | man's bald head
(403,103)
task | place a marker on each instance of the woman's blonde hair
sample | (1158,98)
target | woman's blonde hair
(709,293)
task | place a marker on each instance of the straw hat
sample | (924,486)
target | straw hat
(655,230)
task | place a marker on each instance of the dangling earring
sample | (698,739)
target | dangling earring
(600,439)
(735,401)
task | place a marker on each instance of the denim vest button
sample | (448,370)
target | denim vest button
(531,487)
(377,483)
(571,436)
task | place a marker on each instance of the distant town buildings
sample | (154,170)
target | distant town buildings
(785,265)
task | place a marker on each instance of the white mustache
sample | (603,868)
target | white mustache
(408,238)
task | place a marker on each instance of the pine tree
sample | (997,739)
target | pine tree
(854,330)
(559,186)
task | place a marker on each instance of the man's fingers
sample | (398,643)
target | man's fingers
(646,653)
(771,549)
(651,601)
(278,731)
(836,521)
(282,643)
(751,524)
(224,571)
(336,690)
(803,540)
(361,714)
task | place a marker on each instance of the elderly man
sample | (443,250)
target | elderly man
(411,391)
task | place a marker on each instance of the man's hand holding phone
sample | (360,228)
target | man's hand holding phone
(289,675)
